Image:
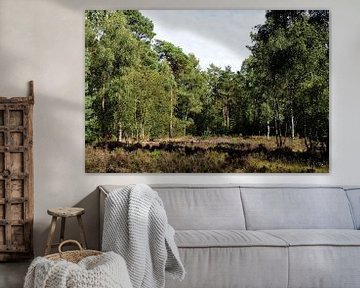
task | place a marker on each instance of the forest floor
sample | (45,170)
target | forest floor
(255,154)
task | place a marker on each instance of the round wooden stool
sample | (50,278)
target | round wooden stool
(64,213)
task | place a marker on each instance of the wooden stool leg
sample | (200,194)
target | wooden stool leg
(51,235)
(62,231)
(82,232)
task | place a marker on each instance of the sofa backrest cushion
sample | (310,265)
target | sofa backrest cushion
(354,198)
(203,208)
(296,208)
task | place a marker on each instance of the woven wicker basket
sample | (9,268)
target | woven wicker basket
(72,256)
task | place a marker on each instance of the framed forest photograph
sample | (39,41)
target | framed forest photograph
(207,91)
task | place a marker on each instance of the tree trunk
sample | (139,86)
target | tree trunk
(142,132)
(120,133)
(171,114)
(279,142)
(227,119)
(292,125)
(226,114)
(268,130)
(185,120)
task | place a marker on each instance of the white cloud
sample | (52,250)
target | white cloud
(214,36)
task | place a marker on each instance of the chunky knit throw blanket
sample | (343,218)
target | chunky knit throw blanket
(102,271)
(136,227)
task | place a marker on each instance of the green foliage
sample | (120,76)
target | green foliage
(191,84)
(139,88)
(140,25)
(290,55)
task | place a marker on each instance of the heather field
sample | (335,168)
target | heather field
(255,154)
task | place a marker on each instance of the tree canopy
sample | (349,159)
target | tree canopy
(142,88)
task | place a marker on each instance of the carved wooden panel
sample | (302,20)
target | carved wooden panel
(16,177)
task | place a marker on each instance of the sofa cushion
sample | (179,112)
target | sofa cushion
(322,258)
(191,208)
(317,237)
(324,266)
(354,198)
(226,238)
(296,208)
(223,267)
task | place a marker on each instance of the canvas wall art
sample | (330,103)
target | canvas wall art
(207,91)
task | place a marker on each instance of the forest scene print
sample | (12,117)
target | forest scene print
(207,91)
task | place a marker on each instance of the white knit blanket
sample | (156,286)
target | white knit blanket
(136,227)
(103,271)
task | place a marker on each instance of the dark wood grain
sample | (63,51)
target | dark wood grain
(16,177)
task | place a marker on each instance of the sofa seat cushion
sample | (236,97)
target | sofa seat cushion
(225,238)
(235,267)
(317,237)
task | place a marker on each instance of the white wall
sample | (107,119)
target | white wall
(43,40)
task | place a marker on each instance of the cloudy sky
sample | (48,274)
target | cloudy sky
(214,36)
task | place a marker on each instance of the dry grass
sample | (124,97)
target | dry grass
(204,155)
